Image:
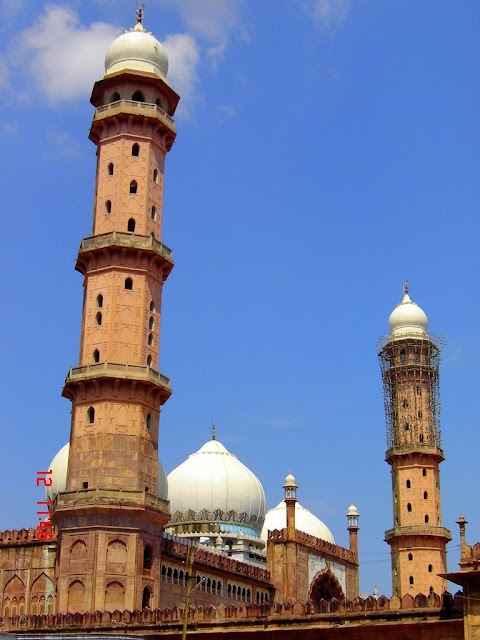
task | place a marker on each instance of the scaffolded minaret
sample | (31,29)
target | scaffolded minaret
(110,516)
(409,362)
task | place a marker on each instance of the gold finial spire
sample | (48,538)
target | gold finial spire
(139,13)
(405,287)
(213,430)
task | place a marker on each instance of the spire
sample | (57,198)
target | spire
(139,13)
(213,430)
(405,288)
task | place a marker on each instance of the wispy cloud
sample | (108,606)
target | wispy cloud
(65,57)
(183,57)
(9,128)
(213,20)
(64,145)
(4,74)
(327,13)
(226,112)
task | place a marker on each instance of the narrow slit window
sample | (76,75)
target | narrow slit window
(110,169)
(430,569)
(150,340)
(99,301)
(405,403)
(148,557)
(90,415)
(108,206)
(149,421)
(426,519)
(409,507)
(133,186)
(408,484)
(410,556)
(154,213)
(136,150)
(96,355)
(155,176)
(128,283)
(131,225)
(98,319)
(149,361)
(151,323)
(420,414)
(411,579)
(152,306)
(406,426)
(424,472)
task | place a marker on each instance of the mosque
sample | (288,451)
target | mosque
(128,550)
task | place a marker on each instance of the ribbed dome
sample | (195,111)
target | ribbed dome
(407,318)
(213,486)
(304,521)
(59,466)
(137,50)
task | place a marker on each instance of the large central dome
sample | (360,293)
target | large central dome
(213,486)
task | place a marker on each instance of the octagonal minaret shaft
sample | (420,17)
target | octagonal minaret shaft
(409,362)
(110,512)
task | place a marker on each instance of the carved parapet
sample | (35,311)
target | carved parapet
(305,539)
(24,536)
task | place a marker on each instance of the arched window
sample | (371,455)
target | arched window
(420,437)
(149,421)
(403,355)
(430,568)
(181,577)
(98,319)
(96,355)
(99,301)
(164,573)
(158,102)
(154,213)
(90,415)
(151,323)
(405,403)
(115,97)
(425,495)
(424,472)
(410,556)
(150,339)
(408,484)
(146,598)
(136,150)
(426,519)
(243,593)
(131,225)
(406,426)
(209,585)
(149,361)
(128,283)
(133,186)
(409,507)
(147,556)
(108,206)
(248,595)
(138,96)
(420,414)
(169,574)
(110,169)
(155,176)
(152,306)
(411,579)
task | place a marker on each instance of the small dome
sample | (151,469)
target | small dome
(59,466)
(407,318)
(290,481)
(213,486)
(304,521)
(352,510)
(137,50)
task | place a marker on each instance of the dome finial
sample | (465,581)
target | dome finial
(405,288)
(139,13)
(213,430)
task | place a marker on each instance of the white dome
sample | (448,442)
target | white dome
(304,521)
(137,50)
(59,467)
(407,318)
(352,510)
(213,486)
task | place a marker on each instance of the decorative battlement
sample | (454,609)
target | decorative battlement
(173,547)
(318,544)
(24,536)
(418,608)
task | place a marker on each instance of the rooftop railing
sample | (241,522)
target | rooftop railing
(123,239)
(134,107)
(117,370)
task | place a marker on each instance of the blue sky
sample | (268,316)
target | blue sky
(326,151)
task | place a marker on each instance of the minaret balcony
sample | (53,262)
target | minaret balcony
(123,240)
(418,530)
(117,371)
(134,108)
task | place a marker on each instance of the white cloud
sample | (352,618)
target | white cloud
(213,20)
(327,13)
(183,58)
(64,144)
(65,57)
(226,111)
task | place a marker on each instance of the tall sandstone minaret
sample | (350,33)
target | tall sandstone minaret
(110,516)
(409,362)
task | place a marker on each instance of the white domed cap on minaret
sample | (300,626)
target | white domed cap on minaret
(59,467)
(352,510)
(137,50)
(407,318)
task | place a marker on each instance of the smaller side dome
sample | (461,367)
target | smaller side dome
(290,481)
(352,510)
(407,318)
(137,50)
(58,467)
(304,521)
